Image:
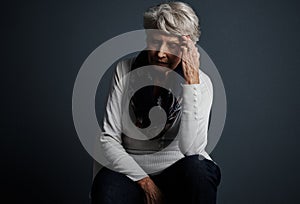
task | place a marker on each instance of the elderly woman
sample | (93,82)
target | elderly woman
(172,166)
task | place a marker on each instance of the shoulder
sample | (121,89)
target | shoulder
(121,69)
(124,66)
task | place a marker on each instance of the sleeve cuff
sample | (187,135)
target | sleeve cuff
(191,98)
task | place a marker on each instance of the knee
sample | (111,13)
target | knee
(198,172)
(116,188)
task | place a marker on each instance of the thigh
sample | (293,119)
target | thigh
(110,187)
(192,179)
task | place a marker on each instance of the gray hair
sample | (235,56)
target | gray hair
(173,17)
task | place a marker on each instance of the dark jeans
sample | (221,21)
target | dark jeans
(189,180)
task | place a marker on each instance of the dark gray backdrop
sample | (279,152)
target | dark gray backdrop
(254,44)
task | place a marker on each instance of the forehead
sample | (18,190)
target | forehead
(162,36)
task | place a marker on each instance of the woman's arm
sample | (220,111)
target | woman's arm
(110,139)
(197,102)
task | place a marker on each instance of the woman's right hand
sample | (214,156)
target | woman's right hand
(152,193)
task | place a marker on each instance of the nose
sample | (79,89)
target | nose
(161,53)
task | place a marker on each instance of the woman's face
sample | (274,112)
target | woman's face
(163,49)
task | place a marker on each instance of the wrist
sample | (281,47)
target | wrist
(197,81)
(144,181)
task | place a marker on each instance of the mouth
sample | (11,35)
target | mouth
(163,64)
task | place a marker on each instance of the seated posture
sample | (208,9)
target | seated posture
(150,161)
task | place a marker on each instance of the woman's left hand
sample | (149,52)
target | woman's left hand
(190,61)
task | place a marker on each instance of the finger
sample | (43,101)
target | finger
(153,200)
(188,56)
(157,195)
(186,40)
(153,197)
(184,53)
(184,37)
(187,45)
(192,47)
(196,54)
(148,199)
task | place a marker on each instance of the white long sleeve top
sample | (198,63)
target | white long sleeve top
(192,134)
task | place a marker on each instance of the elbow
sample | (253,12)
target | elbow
(184,146)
